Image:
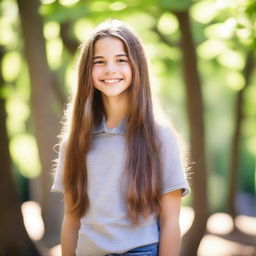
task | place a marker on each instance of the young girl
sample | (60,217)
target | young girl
(120,171)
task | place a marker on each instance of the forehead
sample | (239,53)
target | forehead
(109,45)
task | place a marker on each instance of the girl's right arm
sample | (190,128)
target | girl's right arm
(69,231)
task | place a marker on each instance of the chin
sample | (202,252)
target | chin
(111,94)
(114,94)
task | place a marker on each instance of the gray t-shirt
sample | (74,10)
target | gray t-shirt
(106,228)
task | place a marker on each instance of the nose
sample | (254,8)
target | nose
(110,67)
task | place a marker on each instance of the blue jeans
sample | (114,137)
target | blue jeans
(146,250)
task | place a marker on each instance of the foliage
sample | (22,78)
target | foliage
(224,31)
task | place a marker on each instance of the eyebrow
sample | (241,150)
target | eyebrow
(118,55)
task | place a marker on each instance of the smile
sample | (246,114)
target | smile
(112,81)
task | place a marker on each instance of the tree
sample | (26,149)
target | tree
(239,115)
(238,119)
(196,128)
(13,236)
(43,114)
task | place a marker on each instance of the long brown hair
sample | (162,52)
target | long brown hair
(143,166)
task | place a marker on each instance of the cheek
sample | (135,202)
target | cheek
(129,73)
(95,73)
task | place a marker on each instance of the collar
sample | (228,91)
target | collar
(102,128)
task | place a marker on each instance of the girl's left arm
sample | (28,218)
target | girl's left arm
(170,239)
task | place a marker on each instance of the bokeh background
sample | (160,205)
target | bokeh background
(202,66)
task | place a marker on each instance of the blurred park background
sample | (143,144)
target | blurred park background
(202,65)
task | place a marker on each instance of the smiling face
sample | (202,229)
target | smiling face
(111,71)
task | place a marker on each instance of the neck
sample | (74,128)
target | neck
(116,109)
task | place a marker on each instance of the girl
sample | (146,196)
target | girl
(120,171)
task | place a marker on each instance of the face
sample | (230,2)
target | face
(111,71)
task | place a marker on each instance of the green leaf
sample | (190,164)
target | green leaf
(59,13)
(251,9)
(175,5)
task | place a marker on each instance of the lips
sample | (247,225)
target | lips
(112,81)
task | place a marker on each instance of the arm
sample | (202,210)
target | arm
(169,224)
(69,231)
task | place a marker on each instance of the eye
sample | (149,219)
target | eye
(98,62)
(122,60)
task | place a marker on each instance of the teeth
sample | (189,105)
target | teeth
(112,81)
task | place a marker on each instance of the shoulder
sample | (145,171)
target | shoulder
(171,142)
(173,158)
(166,133)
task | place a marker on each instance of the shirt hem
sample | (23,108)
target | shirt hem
(185,189)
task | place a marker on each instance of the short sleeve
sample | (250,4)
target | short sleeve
(57,185)
(174,175)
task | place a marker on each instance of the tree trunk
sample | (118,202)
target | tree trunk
(70,43)
(192,238)
(239,116)
(14,239)
(44,117)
